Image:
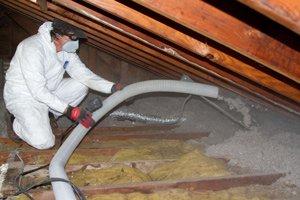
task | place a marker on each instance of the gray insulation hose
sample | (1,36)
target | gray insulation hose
(62,190)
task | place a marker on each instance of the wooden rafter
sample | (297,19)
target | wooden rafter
(248,70)
(205,19)
(219,57)
(43,5)
(285,12)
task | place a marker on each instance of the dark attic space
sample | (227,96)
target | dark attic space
(150,100)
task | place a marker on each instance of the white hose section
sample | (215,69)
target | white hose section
(63,191)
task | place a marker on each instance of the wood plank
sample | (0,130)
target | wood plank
(43,5)
(285,12)
(204,184)
(33,156)
(213,24)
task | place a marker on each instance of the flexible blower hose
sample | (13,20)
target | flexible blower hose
(63,190)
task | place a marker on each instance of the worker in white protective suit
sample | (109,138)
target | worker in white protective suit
(35,85)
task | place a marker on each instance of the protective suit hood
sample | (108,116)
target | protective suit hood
(44,32)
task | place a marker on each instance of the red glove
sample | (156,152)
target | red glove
(80,115)
(116,87)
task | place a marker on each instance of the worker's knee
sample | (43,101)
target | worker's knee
(40,137)
(45,143)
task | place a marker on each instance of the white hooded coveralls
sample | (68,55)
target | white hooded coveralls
(35,85)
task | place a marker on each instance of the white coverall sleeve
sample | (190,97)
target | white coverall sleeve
(32,68)
(78,71)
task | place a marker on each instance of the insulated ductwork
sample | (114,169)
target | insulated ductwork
(62,190)
(137,117)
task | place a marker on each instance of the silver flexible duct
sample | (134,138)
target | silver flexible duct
(62,190)
(137,117)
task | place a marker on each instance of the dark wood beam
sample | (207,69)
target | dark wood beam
(24,23)
(35,156)
(43,5)
(204,184)
(285,12)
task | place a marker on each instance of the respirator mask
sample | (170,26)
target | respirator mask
(71,46)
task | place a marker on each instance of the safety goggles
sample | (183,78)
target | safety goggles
(73,37)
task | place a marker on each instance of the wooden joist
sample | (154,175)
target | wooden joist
(36,156)
(285,12)
(207,20)
(204,184)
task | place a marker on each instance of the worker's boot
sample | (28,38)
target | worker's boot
(53,122)
(10,132)
(55,130)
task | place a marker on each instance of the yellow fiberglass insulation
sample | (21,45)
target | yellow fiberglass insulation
(153,150)
(114,175)
(191,165)
(77,158)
